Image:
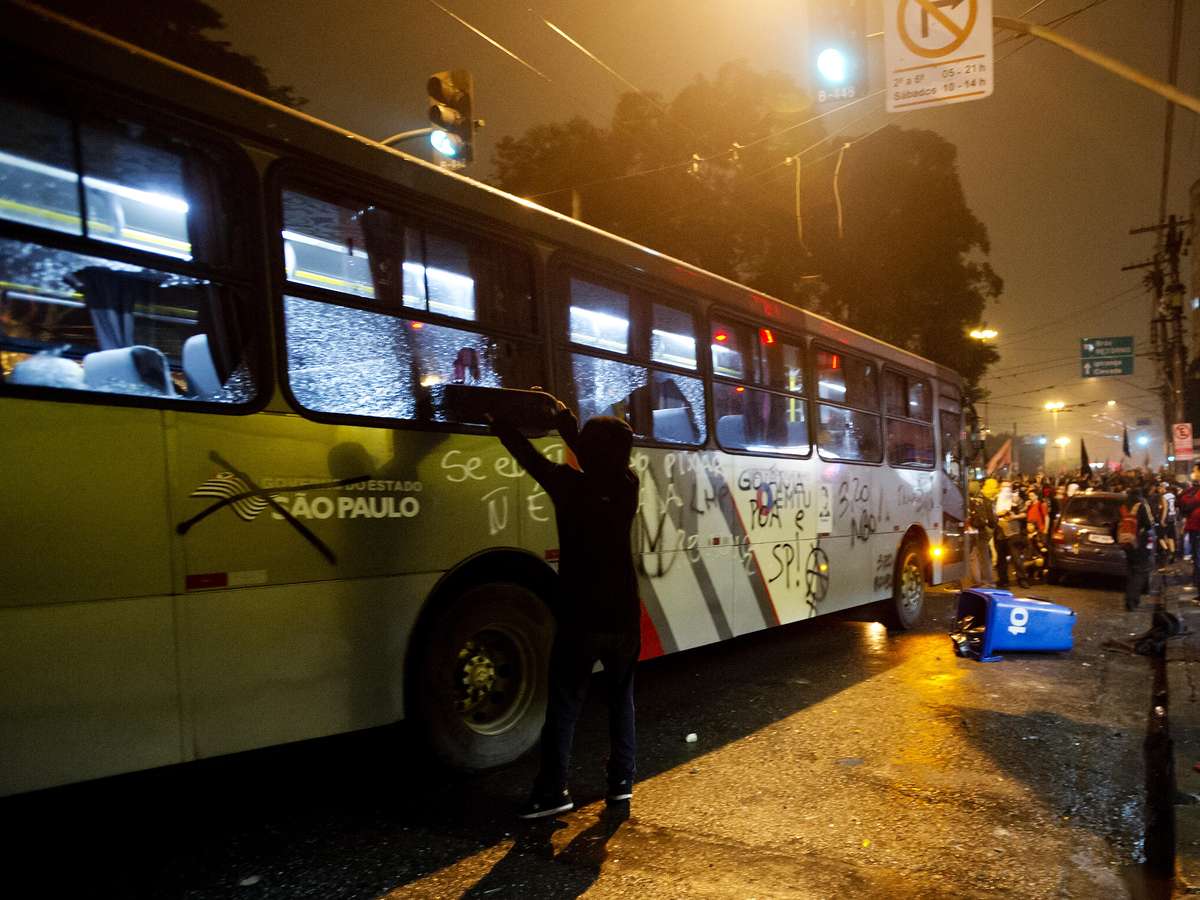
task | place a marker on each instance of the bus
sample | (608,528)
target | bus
(240,509)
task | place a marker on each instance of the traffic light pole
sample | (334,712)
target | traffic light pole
(1169,91)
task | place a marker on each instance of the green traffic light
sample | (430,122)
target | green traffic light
(831,63)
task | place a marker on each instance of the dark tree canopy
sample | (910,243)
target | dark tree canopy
(176,29)
(910,263)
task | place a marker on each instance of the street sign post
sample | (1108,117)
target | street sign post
(1099,357)
(1182,432)
(937,52)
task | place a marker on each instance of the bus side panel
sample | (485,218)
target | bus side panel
(385,502)
(273,664)
(84,488)
(87,690)
(685,586)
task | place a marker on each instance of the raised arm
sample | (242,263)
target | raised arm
(568,427)
(525,453)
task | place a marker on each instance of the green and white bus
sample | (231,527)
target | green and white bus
(237,512)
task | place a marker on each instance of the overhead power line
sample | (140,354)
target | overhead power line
(495,43)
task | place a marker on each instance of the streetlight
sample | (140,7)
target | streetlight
(1054,407)
(984,333)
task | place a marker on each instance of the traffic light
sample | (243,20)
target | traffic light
(837,49)
(450,110)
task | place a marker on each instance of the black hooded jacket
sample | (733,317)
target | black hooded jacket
(594,511)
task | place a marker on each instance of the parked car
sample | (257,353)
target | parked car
(1084,540)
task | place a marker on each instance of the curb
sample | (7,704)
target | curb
(1183,701)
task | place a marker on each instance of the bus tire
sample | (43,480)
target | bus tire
(904,610)
(480,675)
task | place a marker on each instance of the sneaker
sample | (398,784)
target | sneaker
(619,791)
(541,805)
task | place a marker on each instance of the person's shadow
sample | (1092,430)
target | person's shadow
(532,865)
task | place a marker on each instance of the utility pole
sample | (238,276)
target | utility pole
(1166,324)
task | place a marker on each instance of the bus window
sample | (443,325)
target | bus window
(950,421)
(323,246)
(764,410)
(727,352)
(848,387)
(134,190)
(847,379)
(378,361)
(38,182)
(85,322)
(672,337)
(657,338)
(909,432)
(599,317)
(348,361)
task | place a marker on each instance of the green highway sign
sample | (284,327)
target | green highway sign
(1112,365)
(1106,356)
(1097,348)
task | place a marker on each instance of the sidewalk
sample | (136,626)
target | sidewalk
(1183,699)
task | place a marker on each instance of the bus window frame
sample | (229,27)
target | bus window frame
(828,345)
(795,337)
(642,292)
(333,184)
(78,102)
(931,423)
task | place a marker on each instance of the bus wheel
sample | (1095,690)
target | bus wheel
(908,589)
(480,678)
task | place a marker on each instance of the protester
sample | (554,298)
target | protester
(1189,506)
(1135,535)
(599,614)
(981,517)
(1167,529)
(1010,536)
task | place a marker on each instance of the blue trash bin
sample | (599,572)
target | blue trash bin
(990,619)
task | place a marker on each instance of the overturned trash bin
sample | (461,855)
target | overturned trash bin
(990,619)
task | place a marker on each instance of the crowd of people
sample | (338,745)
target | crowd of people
(1013,522)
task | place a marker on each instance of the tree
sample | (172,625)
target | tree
(910,266)
(175,29)
(910,263)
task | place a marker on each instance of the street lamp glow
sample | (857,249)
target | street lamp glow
(1062,441)
(984,334)
(1054,405)
(1143,440)
(1111,403)
(831,63)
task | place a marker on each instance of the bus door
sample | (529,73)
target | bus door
(953,493)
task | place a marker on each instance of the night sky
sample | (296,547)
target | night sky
(1059,163)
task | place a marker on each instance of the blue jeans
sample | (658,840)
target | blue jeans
(571,662)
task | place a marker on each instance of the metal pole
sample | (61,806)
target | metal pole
(1176,96)
(407,135)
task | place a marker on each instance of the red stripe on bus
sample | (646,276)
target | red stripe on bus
(207,580)
(651,645)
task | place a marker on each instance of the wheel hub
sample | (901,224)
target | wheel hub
(489,680)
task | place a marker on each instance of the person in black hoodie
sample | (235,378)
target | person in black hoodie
(598,612)
(1137,513)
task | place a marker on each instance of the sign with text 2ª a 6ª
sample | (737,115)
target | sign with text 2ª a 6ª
(937,52)
(1105,356)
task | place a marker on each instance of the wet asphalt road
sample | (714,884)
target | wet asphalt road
(832,760)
